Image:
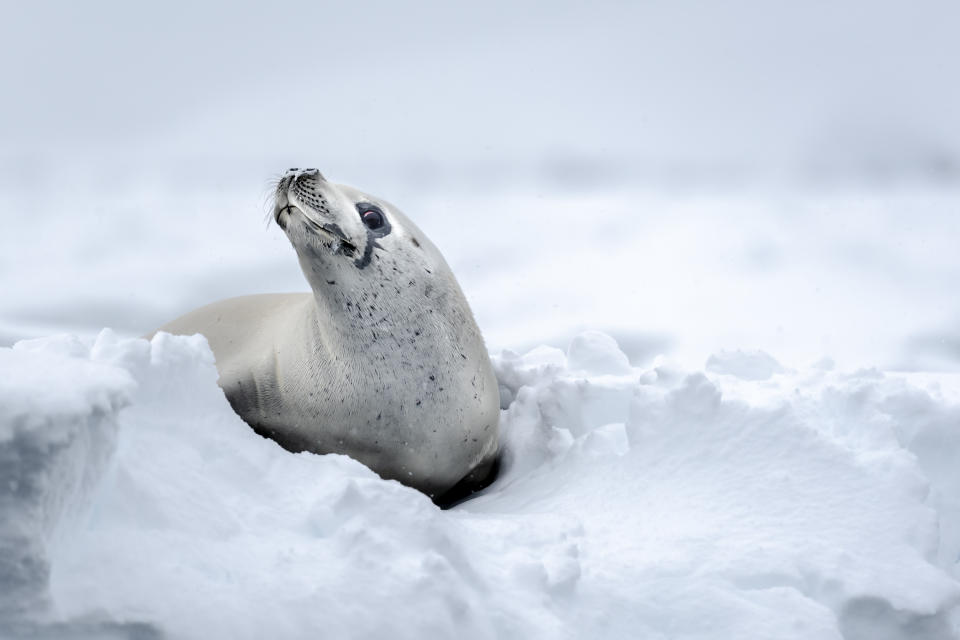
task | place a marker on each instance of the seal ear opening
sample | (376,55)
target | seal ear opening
(479,478)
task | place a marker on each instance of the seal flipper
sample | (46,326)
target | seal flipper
(479,478)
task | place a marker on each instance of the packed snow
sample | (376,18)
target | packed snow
(748,499)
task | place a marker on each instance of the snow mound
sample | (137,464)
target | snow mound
(631,503)
(749,365)
(597,353)
(58,428)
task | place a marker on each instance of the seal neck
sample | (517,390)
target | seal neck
(392,332)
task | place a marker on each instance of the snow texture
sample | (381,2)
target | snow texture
(746,500)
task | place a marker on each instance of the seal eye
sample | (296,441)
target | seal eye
(372,218)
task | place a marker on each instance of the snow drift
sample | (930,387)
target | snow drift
(747,500)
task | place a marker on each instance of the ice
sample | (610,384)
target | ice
(652,502)
(58,429)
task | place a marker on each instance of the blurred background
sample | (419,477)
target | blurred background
(687,176)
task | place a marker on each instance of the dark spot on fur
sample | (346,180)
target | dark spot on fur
(415,242)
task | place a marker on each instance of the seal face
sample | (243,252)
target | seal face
(383,361)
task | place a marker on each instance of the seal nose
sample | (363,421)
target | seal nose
(295,174)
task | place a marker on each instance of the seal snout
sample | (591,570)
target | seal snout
(298,178)
(304,184)
(295,173)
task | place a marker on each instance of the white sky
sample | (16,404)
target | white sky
(372,86)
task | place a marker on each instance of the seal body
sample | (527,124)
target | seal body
(381,361)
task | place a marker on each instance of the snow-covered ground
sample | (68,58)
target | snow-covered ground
(728,413)
(746,500)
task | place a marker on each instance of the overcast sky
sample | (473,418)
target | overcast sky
(430,85)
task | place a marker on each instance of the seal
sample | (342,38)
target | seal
(382,361)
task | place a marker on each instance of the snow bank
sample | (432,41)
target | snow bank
(58,428)
(750,500)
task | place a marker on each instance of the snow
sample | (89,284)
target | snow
(863,276)
(750,365)
(653,501)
